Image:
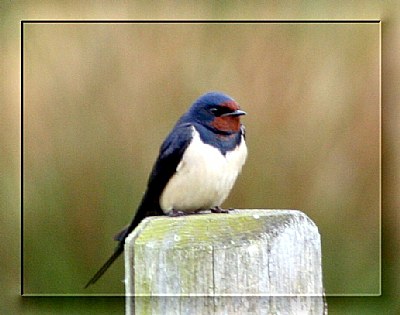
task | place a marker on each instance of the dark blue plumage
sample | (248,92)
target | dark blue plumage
(197,165)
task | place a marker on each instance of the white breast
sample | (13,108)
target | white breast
(203,178)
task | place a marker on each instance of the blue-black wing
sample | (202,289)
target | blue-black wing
(164,168)
(170,156)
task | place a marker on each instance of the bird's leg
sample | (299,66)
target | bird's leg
(218,209)
(176,213)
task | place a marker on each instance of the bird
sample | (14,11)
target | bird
(197,165)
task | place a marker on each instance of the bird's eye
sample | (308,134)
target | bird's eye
(219,111)
(214,110)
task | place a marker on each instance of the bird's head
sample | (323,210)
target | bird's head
(217,111)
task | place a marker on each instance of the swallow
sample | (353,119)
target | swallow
(197,165)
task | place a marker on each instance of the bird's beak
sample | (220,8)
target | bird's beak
(237,112)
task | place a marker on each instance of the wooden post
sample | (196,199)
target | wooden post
(244,262)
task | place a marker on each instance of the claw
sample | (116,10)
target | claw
(176,213)
(218,209)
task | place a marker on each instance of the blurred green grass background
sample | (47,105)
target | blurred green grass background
(100,98)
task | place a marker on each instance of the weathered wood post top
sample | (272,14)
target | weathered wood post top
(244,262)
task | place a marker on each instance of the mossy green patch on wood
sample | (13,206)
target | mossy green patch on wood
(208,229)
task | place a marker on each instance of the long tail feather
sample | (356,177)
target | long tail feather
(142,212)
(118,251)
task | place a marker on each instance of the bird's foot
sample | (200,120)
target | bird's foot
(176,213)
(218,209)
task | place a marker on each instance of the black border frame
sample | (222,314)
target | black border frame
(184,21)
